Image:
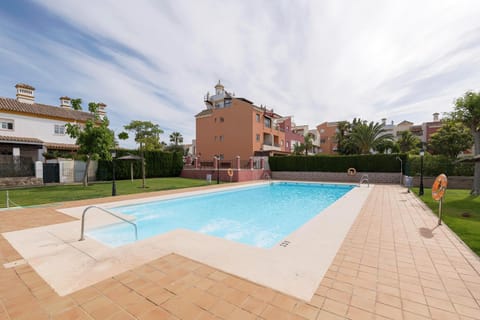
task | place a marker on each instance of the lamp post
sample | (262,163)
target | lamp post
(114,187)
(401,169)
(218,169)
(420,190)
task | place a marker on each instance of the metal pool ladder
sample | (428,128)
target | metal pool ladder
(364,179)
(110,213)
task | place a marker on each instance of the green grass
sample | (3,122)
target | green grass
(456,203)
(61,193)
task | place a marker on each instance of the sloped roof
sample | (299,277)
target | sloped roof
(39,110)
(61,146)
(203,113)
(26,140)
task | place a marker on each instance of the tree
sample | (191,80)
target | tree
(147,135)
(176,138)
(298,148)
(369,136)
(451,139)
(308,143)
(467,111)
(77,104)
(408,142)
(95,140)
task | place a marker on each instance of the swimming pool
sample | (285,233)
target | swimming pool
(259,216)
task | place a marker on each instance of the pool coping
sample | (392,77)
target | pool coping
(296,269)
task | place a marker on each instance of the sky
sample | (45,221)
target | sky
(315,60)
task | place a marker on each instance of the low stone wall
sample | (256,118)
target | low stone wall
(20,182)
(454,182)
(238,175)
(373,177)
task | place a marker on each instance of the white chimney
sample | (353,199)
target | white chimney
(65,102)
(435,116)
(25,93)
(384,121)
(101,109)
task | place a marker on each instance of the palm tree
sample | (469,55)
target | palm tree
(408,142)
(176,138)
(308,143)
(369,136)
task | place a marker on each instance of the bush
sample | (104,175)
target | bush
(157,164)
(434,165)
(337,163)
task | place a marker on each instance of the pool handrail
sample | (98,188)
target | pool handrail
(82,232)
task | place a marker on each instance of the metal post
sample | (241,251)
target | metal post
(401,169)
(8,200)
(440,211)
(114,186)
(421,191)
(218,170)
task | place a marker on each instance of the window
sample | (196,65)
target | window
(257,137)
(221,119)
(59,129)
(221,138)
(215,138)
(286,128)
(281,143)
(268,122)
(286,144)
(257,117)
(228,103)
(6,124)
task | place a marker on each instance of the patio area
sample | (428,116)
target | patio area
(393,264)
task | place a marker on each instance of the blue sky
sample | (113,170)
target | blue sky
(316,60)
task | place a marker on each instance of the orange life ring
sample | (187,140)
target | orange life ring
(439,187)
(351,171)
(230,172)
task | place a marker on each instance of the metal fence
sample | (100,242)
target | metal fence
(16,166)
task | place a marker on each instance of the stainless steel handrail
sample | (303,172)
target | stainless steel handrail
(363,179)
(110,213)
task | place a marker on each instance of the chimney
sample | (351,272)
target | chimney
(384,121)
(101,109)
(392,122)
(65,102)
(435,116)
(25,93)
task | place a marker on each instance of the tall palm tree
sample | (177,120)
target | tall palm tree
(369,136)
(308,143)
(408,141)
(176,138)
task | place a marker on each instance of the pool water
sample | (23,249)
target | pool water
(260,216)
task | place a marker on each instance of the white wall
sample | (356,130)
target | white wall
(40,128)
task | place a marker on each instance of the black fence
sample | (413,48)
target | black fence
(16,166)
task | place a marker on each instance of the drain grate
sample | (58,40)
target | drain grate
(284,243)
(15,263)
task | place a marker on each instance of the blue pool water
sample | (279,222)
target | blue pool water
(260,216)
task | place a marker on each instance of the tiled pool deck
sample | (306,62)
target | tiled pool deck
(393,264)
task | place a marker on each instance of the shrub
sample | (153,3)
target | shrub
(157,164)
(337,163)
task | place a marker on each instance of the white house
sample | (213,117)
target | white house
(29,129)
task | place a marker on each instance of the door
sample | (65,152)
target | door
(51,173)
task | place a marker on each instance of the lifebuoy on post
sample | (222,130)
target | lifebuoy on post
(351,171)
(230,172)
(439,187)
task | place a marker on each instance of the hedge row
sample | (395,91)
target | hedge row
(434,165)
(334,163)
(157,164)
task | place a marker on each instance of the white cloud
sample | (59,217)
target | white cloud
(316,60)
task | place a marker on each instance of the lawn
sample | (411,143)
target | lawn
(456,204)
(61,193)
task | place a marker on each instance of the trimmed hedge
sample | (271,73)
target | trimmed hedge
(158,164)
(434,165)
(337,163)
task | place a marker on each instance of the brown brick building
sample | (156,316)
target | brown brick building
(232,126)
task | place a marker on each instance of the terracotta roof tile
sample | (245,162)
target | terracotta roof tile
(204,113)
(21,139)
(61,146)
(37,109)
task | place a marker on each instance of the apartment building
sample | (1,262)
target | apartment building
(291,137)
(29,129)
(231,126)
(328,142)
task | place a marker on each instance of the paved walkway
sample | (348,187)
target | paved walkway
(393,264)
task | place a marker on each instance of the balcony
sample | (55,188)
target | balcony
(268,147)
